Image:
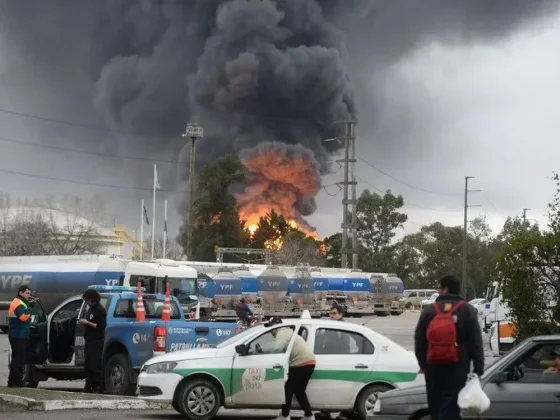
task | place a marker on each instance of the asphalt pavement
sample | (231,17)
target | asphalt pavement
(398,328)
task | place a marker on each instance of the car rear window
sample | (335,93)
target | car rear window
(126,308)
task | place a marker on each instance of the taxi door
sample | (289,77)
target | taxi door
(260,369)
(345,360)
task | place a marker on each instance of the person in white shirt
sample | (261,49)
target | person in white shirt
(302,366)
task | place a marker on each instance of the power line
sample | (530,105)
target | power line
(123,187)
(138,133)
(86,152)
(408,202)
(405,183)
(72,181)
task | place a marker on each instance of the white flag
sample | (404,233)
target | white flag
(156,181)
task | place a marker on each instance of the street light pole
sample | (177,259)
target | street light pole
(194,132)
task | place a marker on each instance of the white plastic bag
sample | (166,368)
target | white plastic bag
(472,398)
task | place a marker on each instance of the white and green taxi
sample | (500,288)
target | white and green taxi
(248,371)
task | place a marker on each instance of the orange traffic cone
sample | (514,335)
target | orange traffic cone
(140,313)
(166,313)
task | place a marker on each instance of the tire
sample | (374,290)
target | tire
(175,406)
(366,400)
(4,330)
(192,390)
(117,376)
(408,305)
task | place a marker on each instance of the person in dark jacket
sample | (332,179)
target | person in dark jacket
(243,311)
(94,324)
(444,381)
(18,334)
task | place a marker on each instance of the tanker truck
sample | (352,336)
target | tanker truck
(55,278)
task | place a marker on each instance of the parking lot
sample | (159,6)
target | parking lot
(399,328)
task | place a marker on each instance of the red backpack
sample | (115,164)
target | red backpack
(442,337)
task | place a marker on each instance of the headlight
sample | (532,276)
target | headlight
(377,406)
(163,367)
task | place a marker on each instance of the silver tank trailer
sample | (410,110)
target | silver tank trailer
(273,285)
(227,288)
(300,286)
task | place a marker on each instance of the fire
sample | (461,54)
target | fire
(252,223)
(282,178)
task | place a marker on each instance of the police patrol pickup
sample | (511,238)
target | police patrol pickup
(244,372)
(56,346)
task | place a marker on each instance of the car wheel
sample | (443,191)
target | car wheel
(408,305)
(175,406)
(198,399)
(117,376)
(367,398)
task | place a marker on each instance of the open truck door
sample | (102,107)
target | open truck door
(37,346)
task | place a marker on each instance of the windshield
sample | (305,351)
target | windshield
(434,296)
(185,290)
(406,293)
(240,336)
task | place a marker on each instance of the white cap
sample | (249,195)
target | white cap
(305,314)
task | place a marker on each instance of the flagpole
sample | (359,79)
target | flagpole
(165,227)
(154,212)
(142,231)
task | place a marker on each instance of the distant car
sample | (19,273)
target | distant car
(248,371)
(478,303)
(523,384)
(429,301)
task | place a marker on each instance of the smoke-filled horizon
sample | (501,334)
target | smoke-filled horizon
(257,74)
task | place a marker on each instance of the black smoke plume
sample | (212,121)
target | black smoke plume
(250,71)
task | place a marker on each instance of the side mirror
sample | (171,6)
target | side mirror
(499,378)
(241,349)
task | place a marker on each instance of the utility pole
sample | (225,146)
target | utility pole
(349,181)
(525,216)
(465,237)
(193,132)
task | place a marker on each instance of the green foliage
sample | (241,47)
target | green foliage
(529,273)
(271,231)
(217,215)
(379,218)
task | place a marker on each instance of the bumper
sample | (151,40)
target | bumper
(158,387)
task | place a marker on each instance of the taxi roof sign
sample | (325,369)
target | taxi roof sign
(305,314)
(115,289)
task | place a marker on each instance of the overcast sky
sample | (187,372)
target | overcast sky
(488,109)
(491,112)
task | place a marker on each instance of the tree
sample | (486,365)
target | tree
(271,232)
(333,245)
(217,220)
(296,248)
(529,274)
(47,227)
(379,218)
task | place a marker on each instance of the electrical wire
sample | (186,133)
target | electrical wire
(407,202)
(405,183)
